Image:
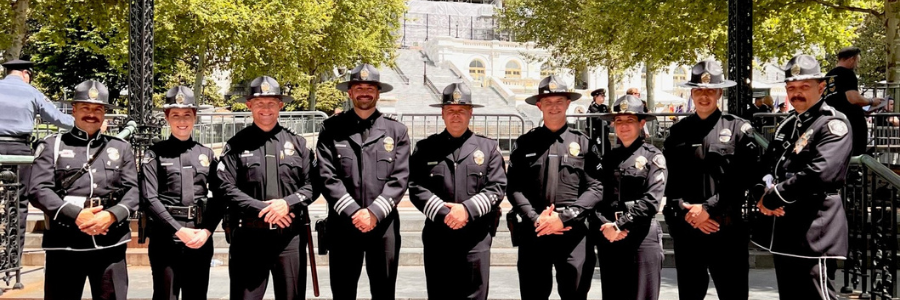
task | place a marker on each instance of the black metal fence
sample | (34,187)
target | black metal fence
(10,233)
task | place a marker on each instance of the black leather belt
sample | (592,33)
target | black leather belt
(260,224)
(106,202)
(15,138)
(186,212)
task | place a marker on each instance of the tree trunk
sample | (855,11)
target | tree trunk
(610,87)
(651,83)
(313,85)
(19,30)
(198,79)
(892,40)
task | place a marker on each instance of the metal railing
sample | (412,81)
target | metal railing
(214,129)
(505,128)
(402,75)
(870,200)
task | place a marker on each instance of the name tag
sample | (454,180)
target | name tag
(75,200)
(340,145)
(696,145)
(246,154)
(166,164)
(432,163)
(530,154)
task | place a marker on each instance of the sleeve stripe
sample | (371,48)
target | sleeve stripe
(388,205)
(59,210)
(343,203)
(433,206)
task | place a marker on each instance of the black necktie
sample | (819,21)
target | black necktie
(271,171)
(187,179)
(552,172)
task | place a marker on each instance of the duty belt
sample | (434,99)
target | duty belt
(260,224)
(15,138)
(106,201)
(186,212)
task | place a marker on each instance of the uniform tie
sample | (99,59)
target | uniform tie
(271,171)
(552,172)
(187,179)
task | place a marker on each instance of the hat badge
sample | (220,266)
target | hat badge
(705,78)
(552,86)
(795,70)
(457,95)
(179,98)
(265,87)
(364,74)
(93,93)
(623,107)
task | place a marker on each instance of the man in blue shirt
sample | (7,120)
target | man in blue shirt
(21,102)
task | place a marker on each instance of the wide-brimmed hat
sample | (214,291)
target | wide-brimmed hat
(456,94)
(708,74)
(94,92)
(265,86)
(180,97)
(803,67)
(627,105)
(364,73)
(552,86)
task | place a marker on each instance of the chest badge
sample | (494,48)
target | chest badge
(725,135)
(113,154)
(801,143)
(204,160)
(574,149)
(289,148)
(389,144)
(478,156)
(640,162)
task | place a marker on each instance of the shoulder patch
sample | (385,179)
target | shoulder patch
(149,155)
(837,127)
(747,128)
(39,149)
(660,161)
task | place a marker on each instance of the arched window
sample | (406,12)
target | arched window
(679,76)
(546,70)
(513,70)
(476,69)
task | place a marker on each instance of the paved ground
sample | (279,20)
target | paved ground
(410,285)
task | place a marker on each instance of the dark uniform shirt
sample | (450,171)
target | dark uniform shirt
(242,171)
(808,157)
(113,174)
(176,173)
(711,162)
(634,180)
(363,163)
(835,95)
(467,170)
(529,166)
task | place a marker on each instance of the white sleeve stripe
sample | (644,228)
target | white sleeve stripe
(388,204)
(433,207)
(483,203)
(382,207)
(59,210)
(343,203)
(478,204)
(342,207)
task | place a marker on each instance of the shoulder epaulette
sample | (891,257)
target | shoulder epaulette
(575,131)
(390,117)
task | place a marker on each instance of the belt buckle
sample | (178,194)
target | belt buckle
(191,212)
(94,202)
(619,214)
(272,226)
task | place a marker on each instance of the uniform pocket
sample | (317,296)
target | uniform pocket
(474,179)
(570,169)
(384,165)
(345,157)
(253,170)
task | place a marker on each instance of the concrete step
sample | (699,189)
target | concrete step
(408,257)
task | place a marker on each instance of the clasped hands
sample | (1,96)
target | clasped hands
(277,213)
(94,220)
(549,223)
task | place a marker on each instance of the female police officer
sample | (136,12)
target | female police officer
(627,236)
(174,175)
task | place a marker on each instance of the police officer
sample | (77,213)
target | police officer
(174,177)
(807,164)
(86,185)
(711,157)
(551,189)
(457,178)
(364,166)
(21,102)
(265,181)
(599,128)
(624,228)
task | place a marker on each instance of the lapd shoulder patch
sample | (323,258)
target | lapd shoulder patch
(837,127)
(148,156)
(660,161)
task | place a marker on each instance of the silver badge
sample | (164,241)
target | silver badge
(204,160)
(640,162)
(388,144)
(113,154)
(725,135)
(837,127)
(479,157)
(289,148)
(574,149)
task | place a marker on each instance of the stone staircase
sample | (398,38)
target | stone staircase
(411,251)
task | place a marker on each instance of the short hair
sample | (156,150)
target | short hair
(632,91)
(848,53)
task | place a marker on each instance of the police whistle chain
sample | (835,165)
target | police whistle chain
(312,254)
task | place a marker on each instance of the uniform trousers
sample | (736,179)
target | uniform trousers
(457,262)
(805,278)
(630,268)
(255,253)
(105,269)
(348,247)
(177,268)
(568,253)
(721,255)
